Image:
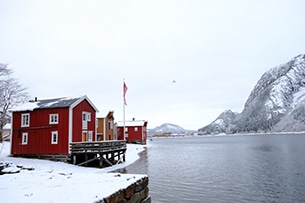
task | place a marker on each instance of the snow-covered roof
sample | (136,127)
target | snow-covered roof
(132,123)
(29,106)
(52,103)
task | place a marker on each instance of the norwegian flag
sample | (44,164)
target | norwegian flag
(124,92)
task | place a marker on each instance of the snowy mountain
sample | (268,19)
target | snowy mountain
(277,103)
(221,124)
(168,128)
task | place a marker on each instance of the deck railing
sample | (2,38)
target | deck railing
(96,147)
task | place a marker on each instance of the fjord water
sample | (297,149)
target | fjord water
(243,168)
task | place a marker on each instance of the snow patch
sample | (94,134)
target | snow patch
(29,106)
(61,182)
(219,122)
(298,97)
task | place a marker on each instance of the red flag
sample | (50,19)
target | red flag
(124,92)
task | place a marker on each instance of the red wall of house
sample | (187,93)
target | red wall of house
(78,123)
(132,134)
(120,133)
(39,132)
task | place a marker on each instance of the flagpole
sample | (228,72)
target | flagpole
(124,110)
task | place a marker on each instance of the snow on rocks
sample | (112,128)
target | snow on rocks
(7,168)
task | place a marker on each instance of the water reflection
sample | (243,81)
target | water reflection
(263,148)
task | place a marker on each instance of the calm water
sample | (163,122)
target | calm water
(256,168)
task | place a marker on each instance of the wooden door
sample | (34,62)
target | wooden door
(85,137)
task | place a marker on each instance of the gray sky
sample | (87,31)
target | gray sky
(216,51)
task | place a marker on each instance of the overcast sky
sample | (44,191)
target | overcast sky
(215,50)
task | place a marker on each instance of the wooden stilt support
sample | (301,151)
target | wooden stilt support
(87,161)
(120,159)
(107,161)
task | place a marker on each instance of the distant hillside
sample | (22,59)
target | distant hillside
(169,128)
(276,104)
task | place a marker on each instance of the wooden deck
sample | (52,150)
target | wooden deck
(99,154)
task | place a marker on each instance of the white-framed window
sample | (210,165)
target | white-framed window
(110,125)
(25,120)
(90,133)
(88,116)
(53,119)
(54,137)
(24,138)
(85,122)
(135,129)
(84,116)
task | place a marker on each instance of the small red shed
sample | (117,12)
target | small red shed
(47,127)
(135,131)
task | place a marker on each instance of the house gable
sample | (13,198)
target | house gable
(82,99)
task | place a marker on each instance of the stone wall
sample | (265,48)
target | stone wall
(135,193)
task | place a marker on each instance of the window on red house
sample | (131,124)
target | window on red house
(24,138)
(54,137)
(25,120)
(53,119)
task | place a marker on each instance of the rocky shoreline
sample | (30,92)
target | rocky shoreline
(136,192)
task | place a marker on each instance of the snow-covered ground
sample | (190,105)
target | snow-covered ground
(61,182)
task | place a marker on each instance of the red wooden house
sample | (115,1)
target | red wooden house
(135,131)
(47,127)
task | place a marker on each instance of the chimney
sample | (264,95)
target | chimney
(133,119)
(35,99)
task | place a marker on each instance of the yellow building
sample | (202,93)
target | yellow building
(105,128)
